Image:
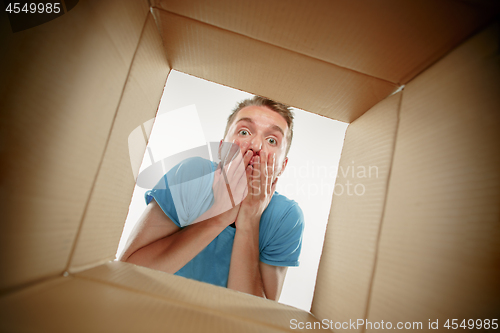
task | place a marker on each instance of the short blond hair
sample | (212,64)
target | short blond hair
(283,110)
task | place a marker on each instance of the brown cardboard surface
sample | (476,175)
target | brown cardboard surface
(439,249)
(237,61)
(347,261)
(74,88)
(137,142)
(389,39)
(122,21)
(197,295)
(111,194)
(125,298)
(61,83)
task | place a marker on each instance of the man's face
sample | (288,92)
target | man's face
(263,129)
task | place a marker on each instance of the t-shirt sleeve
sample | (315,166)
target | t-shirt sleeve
(282,246)
(185,191)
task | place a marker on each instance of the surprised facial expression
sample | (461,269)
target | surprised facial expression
(258,128)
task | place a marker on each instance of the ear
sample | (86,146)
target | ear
(283,166)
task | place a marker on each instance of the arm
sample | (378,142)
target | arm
(158,243)
(152,226)
(246,272)
(273,278)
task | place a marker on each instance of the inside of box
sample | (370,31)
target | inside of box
(421,244)
(193,112)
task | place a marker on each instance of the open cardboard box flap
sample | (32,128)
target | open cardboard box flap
(421,244)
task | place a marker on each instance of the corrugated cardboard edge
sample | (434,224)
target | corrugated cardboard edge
(127,298)
(439,249)
(110,197)
(350,248)
(390,40)
(63,82)
(228,58)
(213,299)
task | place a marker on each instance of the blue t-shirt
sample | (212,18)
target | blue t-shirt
(185,193)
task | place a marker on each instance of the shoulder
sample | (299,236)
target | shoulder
(286,205)
(185,191)
(190,168)
(284,211)
(195,164)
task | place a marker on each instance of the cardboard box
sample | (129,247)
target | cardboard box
(421,245)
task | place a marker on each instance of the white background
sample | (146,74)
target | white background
(194,111)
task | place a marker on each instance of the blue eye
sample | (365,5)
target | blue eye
(243,132)
(272,141)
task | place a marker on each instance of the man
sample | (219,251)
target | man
(247,235)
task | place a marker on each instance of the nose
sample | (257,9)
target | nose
(255,145)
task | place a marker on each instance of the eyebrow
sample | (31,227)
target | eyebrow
(274,127)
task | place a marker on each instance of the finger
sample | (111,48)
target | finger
(269,173)
(246,159)
(241,189)
(228,151)
(230,154)
(224,152)
(270,170)
(221,196)
(242,146)
(233,152)
(228,171)
(263,173)
(227,187)
(243,150)
(249,171)
(239,159)
(256,174)
(239,182)
(236,167)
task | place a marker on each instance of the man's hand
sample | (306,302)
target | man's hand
(260,174)
(158,243)
(229,186)
(247,273)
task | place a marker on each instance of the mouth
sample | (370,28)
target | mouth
(252,159)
